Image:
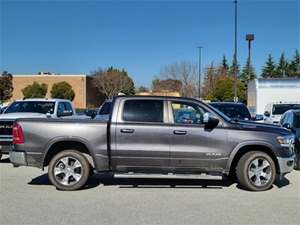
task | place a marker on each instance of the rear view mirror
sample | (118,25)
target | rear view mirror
(287,126)
(267,113)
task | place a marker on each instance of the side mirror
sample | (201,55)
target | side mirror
(210,121)
(64,113)
(287,126)
(267,113)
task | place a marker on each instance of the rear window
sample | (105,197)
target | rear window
(105,109)
(279,109)
(143,111)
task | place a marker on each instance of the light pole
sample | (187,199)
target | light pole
(235,53)
(199,78)
(249,38)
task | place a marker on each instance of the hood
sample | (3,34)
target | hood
(22,115)
(263,127)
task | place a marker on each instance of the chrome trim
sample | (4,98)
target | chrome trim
(17,158)
(283,167)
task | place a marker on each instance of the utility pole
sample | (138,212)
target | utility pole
(235,53)
(199,74)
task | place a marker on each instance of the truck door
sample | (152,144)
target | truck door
(194,148)
(142,138)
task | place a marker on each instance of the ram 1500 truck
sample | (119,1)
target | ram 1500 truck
(153,136)
(32,108)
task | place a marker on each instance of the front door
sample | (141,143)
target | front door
(142,137)
(193,147)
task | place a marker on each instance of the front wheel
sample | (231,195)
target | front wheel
(256,171)
(69,170)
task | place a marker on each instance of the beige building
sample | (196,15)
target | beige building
(85,92)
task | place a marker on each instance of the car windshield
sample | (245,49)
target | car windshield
(31,107)
(234,111)
(279,109)
(297,121)
(105,109)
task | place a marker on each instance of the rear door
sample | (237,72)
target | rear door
(142,137)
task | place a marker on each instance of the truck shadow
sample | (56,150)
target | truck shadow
(108,180)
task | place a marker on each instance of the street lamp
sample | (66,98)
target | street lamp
(199,78)
(235,53)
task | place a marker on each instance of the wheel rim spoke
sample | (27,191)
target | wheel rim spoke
(76,164)
(259,172)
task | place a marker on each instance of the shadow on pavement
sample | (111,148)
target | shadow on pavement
(5,160)
(108,180)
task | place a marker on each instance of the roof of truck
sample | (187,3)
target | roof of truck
(42,99)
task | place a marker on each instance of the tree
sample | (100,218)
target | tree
(268,70)
(224,64)
(282,67)
(112,81)
(142,89)
(248,73)
(166,85)
(294,66)
(62,90)
(6,86)
(231,69)
(186,73)
(35,90)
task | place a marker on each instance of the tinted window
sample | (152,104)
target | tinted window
(187,113)
(105,108)
(279,109)
(33,107)
(297,121)
(143,111)
(234,111)
(68,107)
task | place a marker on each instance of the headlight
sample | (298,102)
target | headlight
(286,141)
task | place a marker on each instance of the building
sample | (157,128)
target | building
(86,95)
(262,92)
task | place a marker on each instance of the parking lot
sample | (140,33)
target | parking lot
(27,198)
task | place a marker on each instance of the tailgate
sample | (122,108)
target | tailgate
(6,132)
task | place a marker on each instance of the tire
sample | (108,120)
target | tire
(0,156)
(69,170)
(256,171)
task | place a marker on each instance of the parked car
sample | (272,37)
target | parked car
(2,109)
(146,136)
(274,111)
(236,111)
(32,108)
(291,121)
(104,111)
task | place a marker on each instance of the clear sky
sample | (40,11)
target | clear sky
(140,36)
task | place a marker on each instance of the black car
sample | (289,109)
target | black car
(291,121)
(234,110)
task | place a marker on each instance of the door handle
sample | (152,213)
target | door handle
(180,132)
(128,131)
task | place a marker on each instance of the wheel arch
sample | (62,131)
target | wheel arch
(61,144)
(242,149)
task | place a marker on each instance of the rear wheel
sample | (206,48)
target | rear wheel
(69,170)
(256,171)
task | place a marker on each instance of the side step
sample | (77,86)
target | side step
(169,176)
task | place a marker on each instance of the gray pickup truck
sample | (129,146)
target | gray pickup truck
(152,137)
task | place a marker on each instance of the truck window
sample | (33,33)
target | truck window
(31,106)
(143,111)
(68,107)
(187,113)
(105,109)
(279,109)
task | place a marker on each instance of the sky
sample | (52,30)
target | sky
(75,37)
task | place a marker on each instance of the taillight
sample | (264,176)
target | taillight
(17,134)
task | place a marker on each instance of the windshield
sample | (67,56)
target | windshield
(31,107)
(105,109)
(234,111)
(279,109)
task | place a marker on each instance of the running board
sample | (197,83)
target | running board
(169,176)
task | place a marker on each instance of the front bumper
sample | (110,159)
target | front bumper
(286,165)
(17,158)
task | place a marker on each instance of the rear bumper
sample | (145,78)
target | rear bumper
(286,165)
(18,158)
(5,149)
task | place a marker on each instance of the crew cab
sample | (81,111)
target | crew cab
(31,108)
(154,136)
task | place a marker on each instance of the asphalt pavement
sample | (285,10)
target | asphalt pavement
(27,197)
